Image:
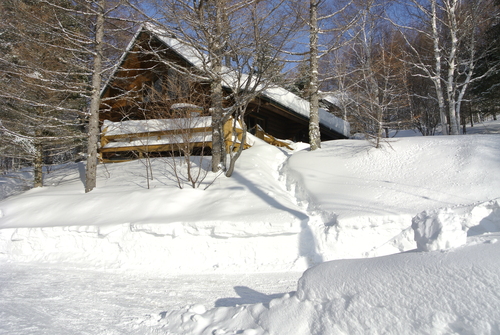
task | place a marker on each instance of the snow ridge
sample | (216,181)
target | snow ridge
(345,237)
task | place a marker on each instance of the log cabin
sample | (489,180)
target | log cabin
(157,101)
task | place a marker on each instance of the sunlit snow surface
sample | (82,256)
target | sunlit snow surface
(241,245)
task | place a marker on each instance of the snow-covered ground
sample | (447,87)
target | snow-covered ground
(128,259)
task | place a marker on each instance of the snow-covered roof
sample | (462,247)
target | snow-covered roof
(120,130)
(331,97)
(194,56)
(279,95)
(204,137)
(301,107)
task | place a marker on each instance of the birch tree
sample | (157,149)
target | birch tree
(97,67)
(375,77)
(226,38)
(99,58)
(451,27)
(314,132)
(333,21)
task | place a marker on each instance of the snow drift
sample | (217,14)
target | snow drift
(280,211)
(409,293)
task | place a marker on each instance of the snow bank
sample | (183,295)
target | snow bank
(241,246)
(434,293)
(160,248)
(351,178)
(408,293)
(245,223)
(366,198)
(439,230)
(347,200)
(448,228)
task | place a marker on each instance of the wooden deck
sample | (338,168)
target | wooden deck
(140,137)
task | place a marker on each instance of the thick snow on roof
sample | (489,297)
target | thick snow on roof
(277,94)
(132,127)
(188,52)
(331,98)
(301,107)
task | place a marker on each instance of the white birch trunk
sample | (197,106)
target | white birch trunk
(38,164)
(437,76)
(451,7)
(218,146)
(314,131)
(216,52)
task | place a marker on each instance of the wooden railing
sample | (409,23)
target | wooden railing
(168,135)
(260,133)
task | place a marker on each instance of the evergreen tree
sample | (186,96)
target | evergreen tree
(40,108)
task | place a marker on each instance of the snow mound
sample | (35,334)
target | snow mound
(366,197)
(439,230)
(434,293)
(280,211)
(448,228)
(407,293)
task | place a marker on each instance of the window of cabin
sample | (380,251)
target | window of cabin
(177,86)
(152,91)
(158,86)
(146,92)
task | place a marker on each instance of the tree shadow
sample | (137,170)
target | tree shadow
(308,244)
(266,197)
(247,296)
(82,172)
(489,224)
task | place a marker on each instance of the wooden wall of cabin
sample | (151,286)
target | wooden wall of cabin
(135,93)
(276,122)
(283,124)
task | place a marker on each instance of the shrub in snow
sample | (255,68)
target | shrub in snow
(440,229)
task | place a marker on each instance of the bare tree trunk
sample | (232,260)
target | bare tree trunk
(234,156)
(38,154)
(314,133)
(451,7)
(216,51)
(218,146)
(93,132)
(38,164)
(437,60)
